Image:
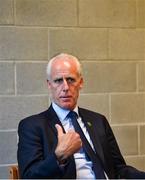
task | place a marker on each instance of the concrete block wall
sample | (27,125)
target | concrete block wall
(109,39)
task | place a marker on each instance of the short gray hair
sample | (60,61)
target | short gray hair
(63,56)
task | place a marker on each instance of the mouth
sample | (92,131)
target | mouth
(65,98)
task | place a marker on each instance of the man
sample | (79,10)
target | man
(67,141)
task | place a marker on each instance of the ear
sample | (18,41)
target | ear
(48,84)
(81,82)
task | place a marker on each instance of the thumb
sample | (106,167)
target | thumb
(59,130)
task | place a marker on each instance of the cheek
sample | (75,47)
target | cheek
(52,91)
(75,91)
(55,91)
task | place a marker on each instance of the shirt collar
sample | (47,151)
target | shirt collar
(62,113)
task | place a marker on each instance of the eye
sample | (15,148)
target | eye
(70,80)
(58,81)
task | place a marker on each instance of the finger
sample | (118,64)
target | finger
(59,130)
(72,130)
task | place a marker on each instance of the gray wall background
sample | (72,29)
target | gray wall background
(108,36)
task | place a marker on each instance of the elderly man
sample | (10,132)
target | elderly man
(67,141)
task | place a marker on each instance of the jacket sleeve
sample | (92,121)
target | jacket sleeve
(122,170)
(31,161)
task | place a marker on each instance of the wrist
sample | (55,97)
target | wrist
(61,159)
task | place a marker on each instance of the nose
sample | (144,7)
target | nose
(65,85)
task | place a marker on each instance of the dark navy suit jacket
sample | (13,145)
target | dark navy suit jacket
(38,140)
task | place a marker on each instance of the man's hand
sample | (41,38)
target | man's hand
(68,143)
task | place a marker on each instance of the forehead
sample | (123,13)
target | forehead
(64,67)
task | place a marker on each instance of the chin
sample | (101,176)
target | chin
(67,106)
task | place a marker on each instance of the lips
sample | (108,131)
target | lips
(65,98)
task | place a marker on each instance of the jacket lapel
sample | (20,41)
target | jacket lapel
(53,119)
(94,135)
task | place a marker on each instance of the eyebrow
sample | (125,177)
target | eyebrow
(60,79)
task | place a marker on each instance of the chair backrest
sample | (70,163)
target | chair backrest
(14,172)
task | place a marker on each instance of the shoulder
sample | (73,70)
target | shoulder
(87,112)
(33,120)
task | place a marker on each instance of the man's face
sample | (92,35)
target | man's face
(64,84)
